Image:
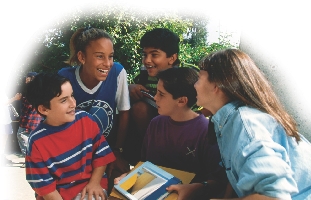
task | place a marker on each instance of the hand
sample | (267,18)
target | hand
(93,190)
(134,90)
(185,191)
(118,179)
(120,165)
(17,96)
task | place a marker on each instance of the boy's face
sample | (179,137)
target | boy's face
(62,108)
(164,100)
(156,60)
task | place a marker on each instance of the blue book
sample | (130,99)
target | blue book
(147,181)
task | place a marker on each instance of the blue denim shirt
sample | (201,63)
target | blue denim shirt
(258,155)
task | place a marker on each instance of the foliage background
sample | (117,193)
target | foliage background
(127,27)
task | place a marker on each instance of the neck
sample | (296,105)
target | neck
(89,82)
(184,115)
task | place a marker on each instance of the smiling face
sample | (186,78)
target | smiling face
(97,60)
(62,108)
(164,100)
(156,60)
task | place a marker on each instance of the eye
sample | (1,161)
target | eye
(154,55)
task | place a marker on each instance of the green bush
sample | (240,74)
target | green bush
(127,27)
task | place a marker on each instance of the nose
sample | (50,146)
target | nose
(72,102)
(155,97)
(146,59)
(107,63)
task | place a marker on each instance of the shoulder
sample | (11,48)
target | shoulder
(192,66)
(81,114)
(66,70)
(159,118)
(117,66)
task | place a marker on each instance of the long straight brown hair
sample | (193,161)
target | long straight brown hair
(236,74)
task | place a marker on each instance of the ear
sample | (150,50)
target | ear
(182,101)
(81,57)
(43,110)
(172,59)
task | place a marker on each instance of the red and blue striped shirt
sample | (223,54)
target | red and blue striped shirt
(64,157)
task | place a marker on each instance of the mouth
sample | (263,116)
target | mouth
(150,67)
(104,71)
(71,112)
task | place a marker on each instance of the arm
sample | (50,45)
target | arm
(53,196)
(135,93)
(17,96)
(120,164)
(122,129)
(93,188)
(255,197)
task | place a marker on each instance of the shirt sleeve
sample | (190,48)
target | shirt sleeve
(37,173)
(122,96)
(263,167)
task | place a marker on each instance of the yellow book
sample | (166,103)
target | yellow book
(147,181)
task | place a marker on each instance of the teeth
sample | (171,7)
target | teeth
(103,71)
(149,67)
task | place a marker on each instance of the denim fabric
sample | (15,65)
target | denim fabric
(258,155)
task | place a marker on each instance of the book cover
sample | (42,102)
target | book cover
(147,181)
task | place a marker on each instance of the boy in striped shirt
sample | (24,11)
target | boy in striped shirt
(67,154)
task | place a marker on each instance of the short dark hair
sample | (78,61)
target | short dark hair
(163,39)
(43,88)
(180,83)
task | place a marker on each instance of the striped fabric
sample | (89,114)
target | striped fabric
(63,157)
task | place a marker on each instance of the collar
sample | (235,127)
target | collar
(222,115)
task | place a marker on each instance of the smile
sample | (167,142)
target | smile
(103,70)
(149,67)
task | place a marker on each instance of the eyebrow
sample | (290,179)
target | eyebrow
(161,92)
(153,51)
(103,53)
(63,98)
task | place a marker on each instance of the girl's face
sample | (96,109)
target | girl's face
(97,60)
(164,100)
(205,91)
(62,108)
(156,60)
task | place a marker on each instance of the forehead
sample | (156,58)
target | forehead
(102,44)
(160,86)
(66,89)
(152,50)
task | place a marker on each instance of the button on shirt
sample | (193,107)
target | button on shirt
(258,155)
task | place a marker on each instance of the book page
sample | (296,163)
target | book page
(148,184)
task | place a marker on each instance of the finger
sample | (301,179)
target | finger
(83,193)
(102,196)
(171,188)
(90,195)
(143,88)
(116,180)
